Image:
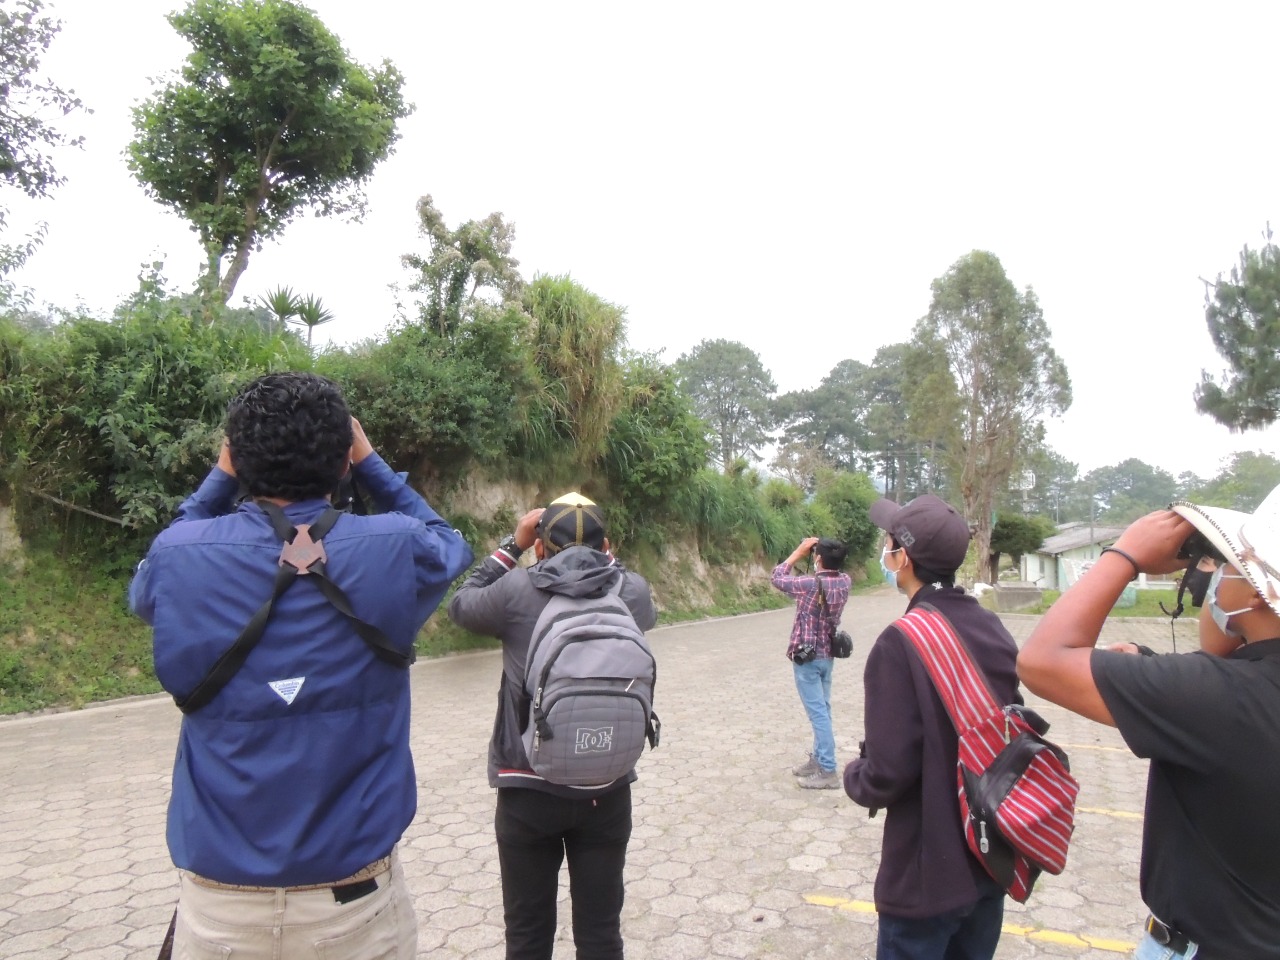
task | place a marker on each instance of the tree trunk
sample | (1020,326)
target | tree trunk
(240,262)
(238,265)
(978,512)
(11,550)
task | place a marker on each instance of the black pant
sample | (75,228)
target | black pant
(535,831)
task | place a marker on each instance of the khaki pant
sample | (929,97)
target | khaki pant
(282,924)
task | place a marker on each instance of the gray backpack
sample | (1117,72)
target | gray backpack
(589,678)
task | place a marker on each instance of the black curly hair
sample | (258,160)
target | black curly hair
(290,436)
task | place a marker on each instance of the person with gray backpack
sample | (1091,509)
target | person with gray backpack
(575,712)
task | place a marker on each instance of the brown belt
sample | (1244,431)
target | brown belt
(364,873)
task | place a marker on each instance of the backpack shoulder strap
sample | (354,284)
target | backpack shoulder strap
(233,659)
(961,686)
(371,635)
(302,554)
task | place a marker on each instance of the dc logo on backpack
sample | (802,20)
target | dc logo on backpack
(594,741)
(589,677)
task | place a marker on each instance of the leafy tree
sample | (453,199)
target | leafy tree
(1243,315)
(1055,491)
(1128,490)
(982,375)
(1016,534)
(29,101)
(311,313)
(282,303)
(269,117)
(832,416)
(1189,486)
(731,391)
(1242,484)
(799,463)
(908,464)
(460,262)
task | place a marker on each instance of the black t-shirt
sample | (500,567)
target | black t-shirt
(1211,840)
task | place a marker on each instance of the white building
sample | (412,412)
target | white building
(1057,563)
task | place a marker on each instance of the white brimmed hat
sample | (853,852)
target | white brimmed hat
(1249,541)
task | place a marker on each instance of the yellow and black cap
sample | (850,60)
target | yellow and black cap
(569,521)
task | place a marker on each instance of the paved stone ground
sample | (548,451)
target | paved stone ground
(729,859)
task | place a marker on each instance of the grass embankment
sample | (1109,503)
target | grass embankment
(67,637)
(1146,604)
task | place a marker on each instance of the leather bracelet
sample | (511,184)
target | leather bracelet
(1119,552)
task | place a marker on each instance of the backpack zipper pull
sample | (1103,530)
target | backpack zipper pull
(983,843)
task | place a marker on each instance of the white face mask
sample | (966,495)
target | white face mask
(1220,616)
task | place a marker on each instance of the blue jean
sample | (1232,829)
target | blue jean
(966,933)
(813,681)
(1148,949)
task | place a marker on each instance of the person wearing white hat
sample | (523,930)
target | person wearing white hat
(1208,721)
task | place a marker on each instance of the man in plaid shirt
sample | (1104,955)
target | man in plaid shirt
(820,599)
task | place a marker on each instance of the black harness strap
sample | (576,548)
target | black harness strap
(303,555)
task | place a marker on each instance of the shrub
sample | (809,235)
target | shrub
(124,417)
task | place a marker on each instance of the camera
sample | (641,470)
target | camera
(804,653)
(1197,546)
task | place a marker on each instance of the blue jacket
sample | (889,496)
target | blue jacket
(299,770)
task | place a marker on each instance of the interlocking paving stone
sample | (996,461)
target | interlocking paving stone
(726,848)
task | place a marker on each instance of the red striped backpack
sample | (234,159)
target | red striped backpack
(1017,795)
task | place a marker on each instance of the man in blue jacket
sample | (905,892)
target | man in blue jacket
(294,782)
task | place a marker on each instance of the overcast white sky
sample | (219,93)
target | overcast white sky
(790,175)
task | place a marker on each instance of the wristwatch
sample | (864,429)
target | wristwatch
(508,545)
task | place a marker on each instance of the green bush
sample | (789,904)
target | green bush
(435,404)
(654,447)
(848,496)
(123,417)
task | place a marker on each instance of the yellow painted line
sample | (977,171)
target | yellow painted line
(1096,746)
(1121,814)
(1037,934)
(853,906)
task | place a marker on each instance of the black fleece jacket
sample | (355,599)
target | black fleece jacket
(506,605)
(908,765)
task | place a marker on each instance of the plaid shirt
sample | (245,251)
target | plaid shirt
(810,625)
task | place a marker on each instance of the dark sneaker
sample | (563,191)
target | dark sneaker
(808,768)
(822,780)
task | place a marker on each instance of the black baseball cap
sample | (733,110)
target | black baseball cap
(933,532)
(571,520)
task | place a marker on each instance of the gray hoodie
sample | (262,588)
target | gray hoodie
(506,605)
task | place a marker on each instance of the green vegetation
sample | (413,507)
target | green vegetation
(67,637)
(1147,604)
(492,383)
(1243,316)
(269,117)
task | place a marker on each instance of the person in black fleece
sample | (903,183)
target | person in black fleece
(933,897)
